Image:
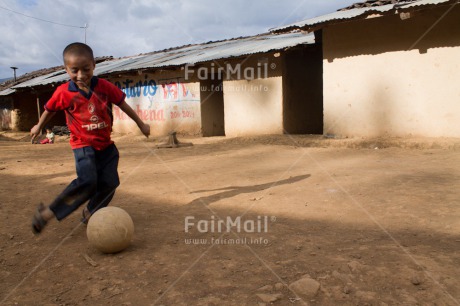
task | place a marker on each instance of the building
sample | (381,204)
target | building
(243,86)
(377,68)
(390,68)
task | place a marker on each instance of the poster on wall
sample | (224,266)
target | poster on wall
(167,105)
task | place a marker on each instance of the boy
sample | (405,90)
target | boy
(87,102)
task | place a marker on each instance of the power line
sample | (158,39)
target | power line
(44,20)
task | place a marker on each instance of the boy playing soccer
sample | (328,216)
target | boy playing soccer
(87,102)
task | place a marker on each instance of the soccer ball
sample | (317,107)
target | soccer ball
(110,229)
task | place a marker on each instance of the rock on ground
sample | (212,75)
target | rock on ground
(305,288)
(269,298)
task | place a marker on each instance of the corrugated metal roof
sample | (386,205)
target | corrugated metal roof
(354,13)
(427,2)
(190,54)
(211,51)
(54,77)
(7,92)
(371,3)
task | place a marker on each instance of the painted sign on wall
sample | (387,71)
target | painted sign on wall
(164,104)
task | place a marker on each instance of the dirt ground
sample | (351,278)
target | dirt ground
(323,222)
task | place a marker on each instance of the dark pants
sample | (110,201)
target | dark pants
(97,179)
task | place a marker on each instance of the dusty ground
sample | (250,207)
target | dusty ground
(372,222)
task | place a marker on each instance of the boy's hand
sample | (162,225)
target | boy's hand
(145,129)
(35,131)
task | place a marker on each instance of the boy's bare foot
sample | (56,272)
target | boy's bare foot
(41,217)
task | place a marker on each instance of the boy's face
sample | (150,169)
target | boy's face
(80,69)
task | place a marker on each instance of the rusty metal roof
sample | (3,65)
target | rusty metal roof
(361,11)
(190,54)
(372,3)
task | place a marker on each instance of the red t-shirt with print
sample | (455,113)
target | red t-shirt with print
(88,116)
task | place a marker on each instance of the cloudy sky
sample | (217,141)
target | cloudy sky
(121,27)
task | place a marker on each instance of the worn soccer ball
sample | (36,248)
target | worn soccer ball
(110,229)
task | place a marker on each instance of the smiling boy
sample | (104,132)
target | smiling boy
(87,103)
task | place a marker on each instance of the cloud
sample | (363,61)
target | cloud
(121,28)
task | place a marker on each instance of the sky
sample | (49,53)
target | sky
(122,28)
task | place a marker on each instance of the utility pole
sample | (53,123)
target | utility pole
(85,27)
(14,72)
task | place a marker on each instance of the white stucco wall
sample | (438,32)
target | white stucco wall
(253,107)
(165,104)
(374,87)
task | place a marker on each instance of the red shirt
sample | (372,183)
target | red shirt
(88,116)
